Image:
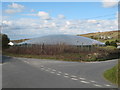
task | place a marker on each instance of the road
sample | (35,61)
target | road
(42,73)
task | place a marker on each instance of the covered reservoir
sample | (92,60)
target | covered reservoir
(63,39)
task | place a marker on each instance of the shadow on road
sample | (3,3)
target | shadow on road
(6,59)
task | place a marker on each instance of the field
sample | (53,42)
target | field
(104,36)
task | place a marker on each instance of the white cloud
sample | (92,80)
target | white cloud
(109,3)
(12,11)
(43,15)
(32,14)
(34,27)
(60,16)
(16,6)
(7,22)
(92,21)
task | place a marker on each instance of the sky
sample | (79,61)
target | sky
(33,19)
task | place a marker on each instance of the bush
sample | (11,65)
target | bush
(107,43)
(113,43)
(5,41)
(68,52)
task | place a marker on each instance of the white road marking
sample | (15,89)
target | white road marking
(97,85)
(58,74)
(82,78)
(92,81)
(74,78)
(84,82)
(92,62)
(42,68)
(107,85)
(66,74)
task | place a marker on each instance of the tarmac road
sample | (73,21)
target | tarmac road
(42,73)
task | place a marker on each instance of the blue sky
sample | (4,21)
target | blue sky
(72,10)
(33,19)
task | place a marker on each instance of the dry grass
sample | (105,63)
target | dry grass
(65,52)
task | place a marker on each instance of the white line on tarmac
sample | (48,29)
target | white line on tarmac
(42,68)
(82,78)
(66,76)
(74,78)
(107,85)
(97,85)
(84,82)
(92,81)
(58,74)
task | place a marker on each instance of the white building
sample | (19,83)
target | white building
(11,43)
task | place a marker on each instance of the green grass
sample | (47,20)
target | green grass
(62,57)
(108,48)
(113,74)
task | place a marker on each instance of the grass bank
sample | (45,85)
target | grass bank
(113,74)
(64,52)
(63,57)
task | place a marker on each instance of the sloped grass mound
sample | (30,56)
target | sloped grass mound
(113,74)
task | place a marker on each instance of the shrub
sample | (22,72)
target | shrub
(113,43)
(107,43)
(5,41)
(87,53)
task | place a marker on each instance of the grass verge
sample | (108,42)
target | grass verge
(113,74)
(64,57)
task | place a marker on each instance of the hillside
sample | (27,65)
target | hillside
(103,36)
(19,41)
(100,36)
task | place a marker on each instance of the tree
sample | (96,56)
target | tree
(92,37)
(5,41)
(113,43)
(107,43)
(116,40)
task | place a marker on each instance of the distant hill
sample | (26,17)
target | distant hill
(19,41)
(100,36)
(103,36)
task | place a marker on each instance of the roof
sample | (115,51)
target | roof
(60,39)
